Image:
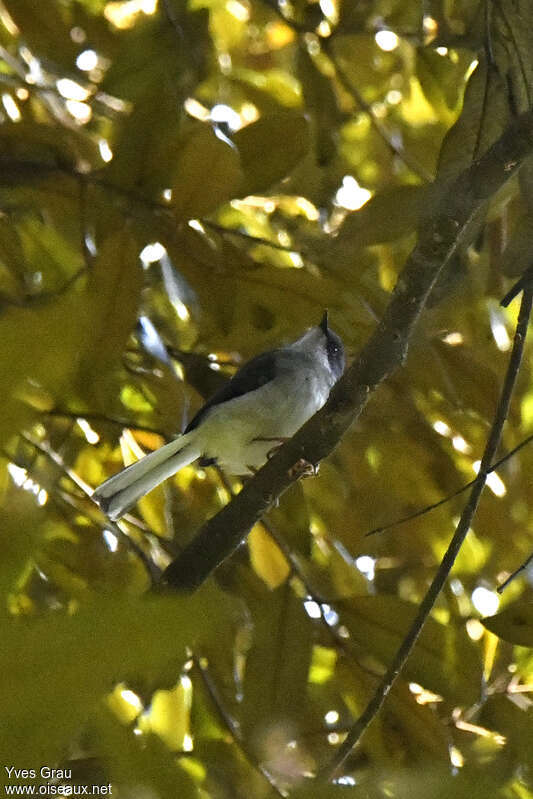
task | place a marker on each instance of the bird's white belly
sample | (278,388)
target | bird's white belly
(252,427)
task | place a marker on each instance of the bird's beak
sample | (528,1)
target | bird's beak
(324,323)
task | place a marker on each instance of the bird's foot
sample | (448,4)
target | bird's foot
(303,468)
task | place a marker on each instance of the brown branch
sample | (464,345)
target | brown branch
(448,560)
(382,355)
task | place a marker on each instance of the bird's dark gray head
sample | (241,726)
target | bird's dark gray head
(334,348)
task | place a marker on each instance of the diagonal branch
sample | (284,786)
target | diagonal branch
(522,568)
(448,560)
(382,355)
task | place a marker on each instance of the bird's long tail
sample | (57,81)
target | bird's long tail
(124,489)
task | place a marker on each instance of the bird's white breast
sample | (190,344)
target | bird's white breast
(233,430)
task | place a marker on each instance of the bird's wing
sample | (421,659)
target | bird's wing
(254,374)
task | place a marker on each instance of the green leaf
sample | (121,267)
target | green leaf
(321,100)
(43,145)
(77,335)
(146,146)
(12,263)
(47,254)
(387,216)
(515,38)
(207,173)
(513,624)
(271,148)
(517,254)
(277,665)
(484,116)
(113,293)
(19,533)
(155,59)
(437,75)
(266,558)
(140,760)
(45,28)
(269,88)
(433,781)
(63,664)
(41,346)
(515,721)
(444,660)
(155,70)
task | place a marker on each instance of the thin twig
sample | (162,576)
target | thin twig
(226,231)
(515,574)
(152,569)
(93,416)
(371,710)
(31,169)
(411,162)
(62,498)
(232,726)
(444,500)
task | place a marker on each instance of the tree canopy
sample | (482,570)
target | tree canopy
(184,185)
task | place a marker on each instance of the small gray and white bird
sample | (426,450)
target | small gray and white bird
(263,404)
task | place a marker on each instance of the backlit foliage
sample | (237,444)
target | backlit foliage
(184,184)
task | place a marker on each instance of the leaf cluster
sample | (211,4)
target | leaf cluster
(183,185)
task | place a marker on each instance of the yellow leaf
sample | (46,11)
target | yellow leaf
(169,715)
(124,703)
(267,558)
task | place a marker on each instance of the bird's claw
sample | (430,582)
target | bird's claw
(279,443)
(304,468)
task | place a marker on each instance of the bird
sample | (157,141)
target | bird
(267,400)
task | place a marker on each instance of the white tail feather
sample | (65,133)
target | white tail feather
(124,489)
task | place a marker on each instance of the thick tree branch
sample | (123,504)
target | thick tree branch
(448,560)
(383,354)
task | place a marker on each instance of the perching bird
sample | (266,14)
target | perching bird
(264,403)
